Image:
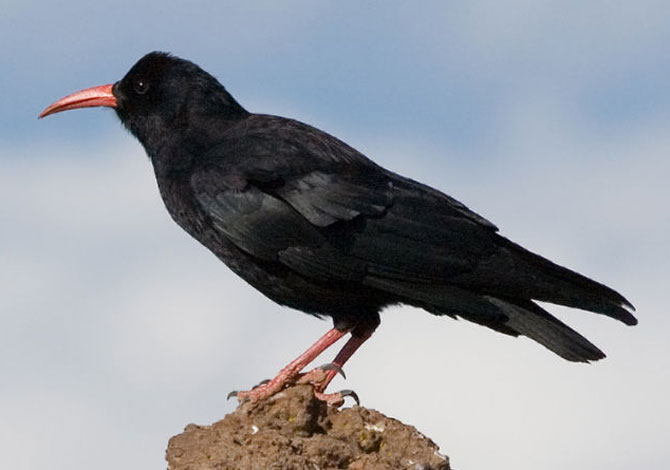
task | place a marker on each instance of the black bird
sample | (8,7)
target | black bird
(315,225)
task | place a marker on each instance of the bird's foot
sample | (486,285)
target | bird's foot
(337,398)
(319,378)
(321,375)
(263,390)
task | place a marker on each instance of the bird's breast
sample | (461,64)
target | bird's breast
(180,202)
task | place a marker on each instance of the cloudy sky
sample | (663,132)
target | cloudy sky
(549,118)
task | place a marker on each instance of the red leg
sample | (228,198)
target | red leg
(320,378)
(289,373)
(349,348)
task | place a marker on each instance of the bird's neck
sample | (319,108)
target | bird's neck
(175,149)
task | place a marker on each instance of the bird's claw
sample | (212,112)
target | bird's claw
(332,366)
(352,394)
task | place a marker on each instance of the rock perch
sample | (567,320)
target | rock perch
(293,430)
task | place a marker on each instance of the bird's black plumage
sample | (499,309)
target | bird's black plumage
(315,225)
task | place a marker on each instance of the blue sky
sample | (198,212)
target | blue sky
(549,118)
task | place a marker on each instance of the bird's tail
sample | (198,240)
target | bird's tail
(534,277)
(518,276)
(529,319)
(512,317)
(499,294)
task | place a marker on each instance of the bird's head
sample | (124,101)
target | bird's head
(159,93)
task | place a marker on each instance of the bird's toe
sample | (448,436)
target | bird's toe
(337,398)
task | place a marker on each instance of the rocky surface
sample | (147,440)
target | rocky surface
(294,431)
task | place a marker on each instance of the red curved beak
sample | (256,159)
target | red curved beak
(90,97)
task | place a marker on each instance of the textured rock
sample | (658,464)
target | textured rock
(294,431)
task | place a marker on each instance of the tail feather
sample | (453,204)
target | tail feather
(511,316)
(515,271)
(566,287)
(529,319)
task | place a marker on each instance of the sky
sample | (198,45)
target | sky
(551,119)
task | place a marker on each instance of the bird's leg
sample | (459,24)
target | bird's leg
(321,378)
(289,373)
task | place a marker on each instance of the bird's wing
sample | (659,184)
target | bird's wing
(397,227)
(327,197)
(255,221)
(286,191)
(344,221)
(268,228)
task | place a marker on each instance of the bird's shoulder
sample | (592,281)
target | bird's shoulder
(320,176)
(264,143)
(292,161)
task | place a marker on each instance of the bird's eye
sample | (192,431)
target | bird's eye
(141,86)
